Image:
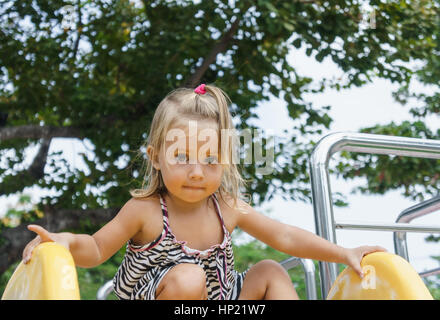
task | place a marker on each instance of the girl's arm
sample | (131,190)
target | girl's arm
(90,251)
(299,242)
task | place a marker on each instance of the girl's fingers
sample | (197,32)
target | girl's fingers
(43,233)
(27,253)
(370,249)
(358,270)
(367,250)
(43,236)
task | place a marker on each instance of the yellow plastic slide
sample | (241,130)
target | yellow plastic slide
(49,275)
(386,277)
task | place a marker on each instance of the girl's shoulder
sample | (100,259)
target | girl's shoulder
(149,211)
(233,207)
(146,200)
(231,211)
(147,205)
(145,210)
(144,203)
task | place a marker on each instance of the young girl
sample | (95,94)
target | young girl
(177,228)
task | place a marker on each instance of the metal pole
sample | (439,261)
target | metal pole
(402,227)
(322,206)
(105,290)
(321,192)
(406,216)
(309,272)
(429,273)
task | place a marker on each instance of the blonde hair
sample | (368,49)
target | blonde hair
(185,103)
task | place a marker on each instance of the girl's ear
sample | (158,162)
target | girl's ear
(153,157)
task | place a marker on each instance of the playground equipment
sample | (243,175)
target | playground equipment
(49,275)
(407,215)
(387,277)
(322,202)
(51,272)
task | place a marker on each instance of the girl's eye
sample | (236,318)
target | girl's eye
(181,157)
(211,160)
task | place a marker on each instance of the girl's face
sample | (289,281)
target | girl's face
(190,160)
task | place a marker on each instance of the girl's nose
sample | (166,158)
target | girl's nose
(196,172)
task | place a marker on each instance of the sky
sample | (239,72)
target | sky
(351,109)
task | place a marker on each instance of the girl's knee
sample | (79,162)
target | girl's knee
(267,279)
(272,268)
(184,281)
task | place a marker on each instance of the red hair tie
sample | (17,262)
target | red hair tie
(200,89)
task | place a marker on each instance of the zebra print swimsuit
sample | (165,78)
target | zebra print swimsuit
(144,266)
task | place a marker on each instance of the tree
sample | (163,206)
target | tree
(96,70)
(417,44)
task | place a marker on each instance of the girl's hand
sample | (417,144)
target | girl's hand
(44,236)
(354,257)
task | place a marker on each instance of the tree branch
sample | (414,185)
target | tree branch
(212,55)
(221,46)
(38,132)
(13,240)
(36,169)
(79,29)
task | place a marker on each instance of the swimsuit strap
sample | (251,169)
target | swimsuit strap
(163,204)
(217,209)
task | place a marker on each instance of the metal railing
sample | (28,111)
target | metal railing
(105,290)
(309,272)
(287,264)
(406,216)
(321,192)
